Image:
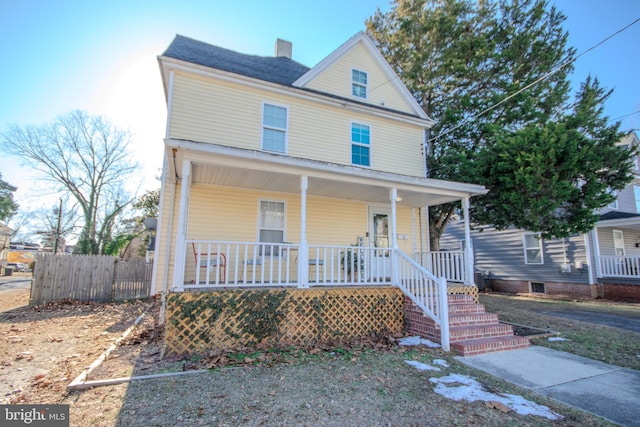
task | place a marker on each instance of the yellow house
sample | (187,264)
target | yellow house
(280,175)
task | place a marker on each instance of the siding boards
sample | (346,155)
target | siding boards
(502,253)
(337,80)
(230,114)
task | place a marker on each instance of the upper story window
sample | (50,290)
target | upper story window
(636,196)
(532,248)
(360,144)
(274,128)
(359,84)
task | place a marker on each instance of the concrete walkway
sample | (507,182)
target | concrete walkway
(608,391)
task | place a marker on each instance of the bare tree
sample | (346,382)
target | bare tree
(55,226)
(86,157)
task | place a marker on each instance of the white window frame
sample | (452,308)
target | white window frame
(360,84)
(275,128)
(284,220)
(352,143)
(616,241)
(527,249)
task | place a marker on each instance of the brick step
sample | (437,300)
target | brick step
(471,319)
(463,333)
(462,308)
(460,298)
(489,345)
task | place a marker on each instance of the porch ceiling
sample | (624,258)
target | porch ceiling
(267,172)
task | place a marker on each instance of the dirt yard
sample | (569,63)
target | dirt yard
(43,349)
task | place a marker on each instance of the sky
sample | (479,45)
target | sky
(101,56)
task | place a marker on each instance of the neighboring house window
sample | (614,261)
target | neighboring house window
(532,248)
(618,243)
(274,128)
(360,144)
(636,195)
(614,204)
(271,224)
(359,84)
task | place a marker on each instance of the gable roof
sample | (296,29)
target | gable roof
(280,70)
(390,74)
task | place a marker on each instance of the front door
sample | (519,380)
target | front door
(379,238)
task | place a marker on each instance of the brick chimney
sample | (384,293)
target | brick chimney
(283,48)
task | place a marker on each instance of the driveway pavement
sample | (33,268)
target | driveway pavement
(616,321)
(8,283)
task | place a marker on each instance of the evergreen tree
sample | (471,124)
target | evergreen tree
(484,71)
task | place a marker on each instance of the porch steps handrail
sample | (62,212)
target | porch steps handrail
(426,291)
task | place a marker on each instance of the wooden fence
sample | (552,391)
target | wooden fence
(88,278)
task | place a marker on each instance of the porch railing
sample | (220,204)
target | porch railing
(426,291)
(210,264)
(620,266)
(449,264)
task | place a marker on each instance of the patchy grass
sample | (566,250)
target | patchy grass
(604,343)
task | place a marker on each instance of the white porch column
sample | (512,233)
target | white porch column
(468,249)
(395,265)
(181,232)
(303,252)
(596,251)
(587,249)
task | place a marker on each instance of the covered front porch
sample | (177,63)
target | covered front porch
(246,218)
(616,242)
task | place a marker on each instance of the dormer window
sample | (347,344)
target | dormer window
(359,84)
(274,128)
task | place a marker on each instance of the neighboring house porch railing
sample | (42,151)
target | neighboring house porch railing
(449,264)
(620,266)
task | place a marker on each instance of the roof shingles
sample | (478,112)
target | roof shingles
(280,70)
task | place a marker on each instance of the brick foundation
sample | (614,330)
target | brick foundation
(561,290)
(615,292)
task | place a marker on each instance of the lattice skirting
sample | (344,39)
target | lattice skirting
(466,290)
(200,321)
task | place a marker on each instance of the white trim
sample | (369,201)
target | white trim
(324,99)
(354,83)
(391,75)
(525,248)
(181,232)
(258,160)
(596,249)
(167,129)
(615,247)
(259,221)
(285,129)
(587,249)
(468,253)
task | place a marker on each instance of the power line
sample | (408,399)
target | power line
(553,71)
(626,115)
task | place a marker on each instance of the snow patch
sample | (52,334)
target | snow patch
(558,339)
(421,366)
(461,387)
(418,341)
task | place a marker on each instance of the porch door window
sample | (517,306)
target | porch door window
(618,243)
(274,128)
(381,231)
(271,224)
(532,248)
